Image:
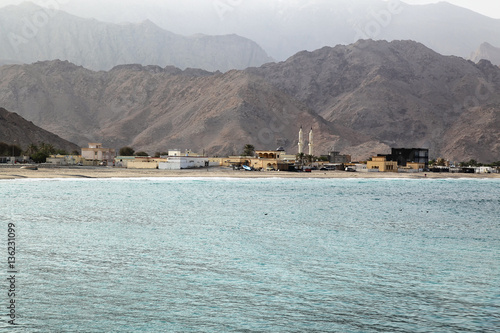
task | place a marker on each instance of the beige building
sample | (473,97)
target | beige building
(264,163)
(95,152)
(381,164)
(263,160)
(235,160)
(267,160)
(64,160)
(415,165)
(275,154)
(144,163)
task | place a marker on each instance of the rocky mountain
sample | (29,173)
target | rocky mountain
(155,109)
(285,27)
(401,93)
(14,129)
(488,52)
(29,33)
(360,99)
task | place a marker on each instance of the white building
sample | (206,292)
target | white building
(301,141)
(311,145)
(484,169)
(184,162)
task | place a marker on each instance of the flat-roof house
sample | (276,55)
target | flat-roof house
(380,163)
(96,152)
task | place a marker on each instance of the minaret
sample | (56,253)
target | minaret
(301,141)
(311,142)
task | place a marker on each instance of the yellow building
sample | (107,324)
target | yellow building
(381,164)
(272,160)
(264,163)
(235,160)
(263,160)
(415,165)
(268,154)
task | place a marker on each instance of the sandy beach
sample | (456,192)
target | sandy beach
(15,172)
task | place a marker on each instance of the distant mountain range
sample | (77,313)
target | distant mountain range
(29,33)
(284,28)
(14,129)
(360,99)
(488,52)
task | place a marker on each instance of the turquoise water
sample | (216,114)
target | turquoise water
(254,255)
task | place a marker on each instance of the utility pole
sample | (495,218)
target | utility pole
(13,157)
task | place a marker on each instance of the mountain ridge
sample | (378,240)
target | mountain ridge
(31,33)
(362,99)
(487,51)
(14,129)
(284,28)
(376,91)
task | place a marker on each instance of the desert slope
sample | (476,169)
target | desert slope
(16,130)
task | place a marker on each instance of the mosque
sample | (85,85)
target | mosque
(272,159)
(301,142)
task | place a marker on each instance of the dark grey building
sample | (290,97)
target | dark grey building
(335,157)
(409,155)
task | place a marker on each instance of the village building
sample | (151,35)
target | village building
(144,162)
(358,167)
(177,160)
(336,157)
(412,167)
(235,161)
(185,162)
(401,159)
(122,161)
(95,154)
(413,157)
(270,160)
(380,163)
(64,160)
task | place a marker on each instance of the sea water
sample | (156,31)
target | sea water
(253,255)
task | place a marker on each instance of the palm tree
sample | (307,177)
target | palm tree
(31,150)
(248,150)
(127,151)
(300,159)
(47,148)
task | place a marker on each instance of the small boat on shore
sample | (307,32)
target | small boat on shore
(29,167)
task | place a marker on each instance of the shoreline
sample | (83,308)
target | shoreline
(15,172)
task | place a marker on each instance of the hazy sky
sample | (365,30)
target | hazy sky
(489,8)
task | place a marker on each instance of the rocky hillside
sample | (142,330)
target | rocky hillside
(29,33)
(401,93)
(360,99)
(14,129)
(154,108)
(487,51)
